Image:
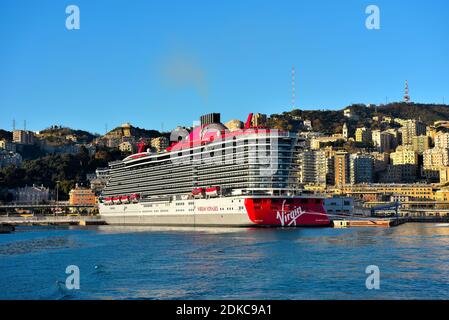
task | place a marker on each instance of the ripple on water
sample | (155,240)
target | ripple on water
(35,245)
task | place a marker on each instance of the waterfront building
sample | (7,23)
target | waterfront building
(413,191)
(31,195)
(82,196)
(339,205)
(160,143)
(23,136)
(361,168)
(313,167)
(421,143)
(411,128)
(363,135)
(341,168)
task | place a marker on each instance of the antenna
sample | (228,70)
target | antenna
(13,124)
(24,125)
(105,128)
(293,87)
(406,95)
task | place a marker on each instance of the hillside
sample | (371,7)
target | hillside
(57,135)
(331,121)
(5,135)
(134,131)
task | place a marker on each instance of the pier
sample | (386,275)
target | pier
(51,221)
(368,222)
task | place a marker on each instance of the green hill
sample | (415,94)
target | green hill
(331,121)
(57,135)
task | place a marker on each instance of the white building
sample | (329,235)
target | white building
(31,195)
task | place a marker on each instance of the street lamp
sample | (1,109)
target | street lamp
(57,196)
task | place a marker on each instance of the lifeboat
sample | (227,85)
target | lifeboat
(124,199)
(108,201)
(134,198)
(116,200)
(212,191)
(198,192)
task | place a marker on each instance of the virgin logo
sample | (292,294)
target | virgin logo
(289,219)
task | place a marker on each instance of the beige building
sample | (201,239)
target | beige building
(421,143)
(319,142)
(363,135)
(160,143)
(436,157)
(127,147)
(341,168)
(444,174)
(411,128)
(404,166)
(441,140)
(23,136)
(404,156)
(82,196)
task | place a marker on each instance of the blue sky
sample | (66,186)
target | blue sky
(167,62)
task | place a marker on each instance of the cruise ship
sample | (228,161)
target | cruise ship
(211,176)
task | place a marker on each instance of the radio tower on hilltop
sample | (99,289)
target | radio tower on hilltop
(406,95)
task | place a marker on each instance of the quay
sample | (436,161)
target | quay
(50,221)
(369,222)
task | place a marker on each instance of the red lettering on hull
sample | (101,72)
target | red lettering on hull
(287,212)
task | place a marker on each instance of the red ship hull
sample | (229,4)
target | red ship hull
(287,212)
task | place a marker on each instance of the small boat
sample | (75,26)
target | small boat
(442,225)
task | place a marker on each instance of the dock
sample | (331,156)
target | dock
(51,221)
(369,222)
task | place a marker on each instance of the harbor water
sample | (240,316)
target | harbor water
(225,263)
